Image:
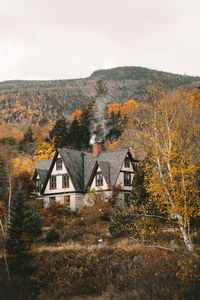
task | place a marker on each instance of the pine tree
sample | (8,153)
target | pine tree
(75,134)
(139,193)
(59,133)
(24,225)
(100,88)
(85,127)
(27,143)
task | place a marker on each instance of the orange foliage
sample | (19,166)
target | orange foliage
(114,108)
(125,109)
(77,114)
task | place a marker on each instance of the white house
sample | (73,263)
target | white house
(69,175)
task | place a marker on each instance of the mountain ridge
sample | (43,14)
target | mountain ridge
(51,99)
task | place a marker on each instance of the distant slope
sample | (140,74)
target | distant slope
(31,101)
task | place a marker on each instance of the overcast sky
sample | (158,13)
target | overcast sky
(63,39)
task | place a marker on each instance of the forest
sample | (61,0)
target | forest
(148,248)
(28,102)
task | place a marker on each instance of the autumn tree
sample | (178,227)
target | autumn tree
(44,151)
(170,132)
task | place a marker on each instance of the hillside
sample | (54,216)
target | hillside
(31,101)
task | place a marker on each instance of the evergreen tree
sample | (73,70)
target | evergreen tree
(25,224)
(59,133)
(27,143)
(139,193)
(100,88)
(85,127)
(75,138)
(115,125)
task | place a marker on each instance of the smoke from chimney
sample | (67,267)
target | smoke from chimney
(99,126)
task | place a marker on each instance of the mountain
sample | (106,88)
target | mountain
(32,101)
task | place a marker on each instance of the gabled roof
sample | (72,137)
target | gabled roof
(82,166)
(115,160)
(42,169)
(110,163)
(105,169)
(73,161)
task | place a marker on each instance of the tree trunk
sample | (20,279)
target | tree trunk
(9,198)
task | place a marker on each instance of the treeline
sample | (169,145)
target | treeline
(34,101)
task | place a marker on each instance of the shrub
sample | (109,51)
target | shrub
(122,222)
(52,236)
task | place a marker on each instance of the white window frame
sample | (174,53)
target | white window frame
(99,179)
(127,178)
(127,162)
(59,164)
(52,182)
(65,181)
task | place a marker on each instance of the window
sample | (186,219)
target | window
(127,199)
(65,181)
(59,164)
(52,200)
(79,201)
(38,186)
(127,163)
(99,179)
(127,178)
(52,182)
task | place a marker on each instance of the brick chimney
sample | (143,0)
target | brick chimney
(97,148)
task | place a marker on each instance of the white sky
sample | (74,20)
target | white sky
(63,39)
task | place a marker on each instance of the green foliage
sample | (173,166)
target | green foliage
(52,236)
(22,228)
(85,127)
(115,125)
(34,225)
(75,135)
(100,88)
(59,133)
(27,143)
(139,193)
(122,222)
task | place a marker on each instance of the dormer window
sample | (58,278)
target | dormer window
(99,179)
(59,164)
(127,163)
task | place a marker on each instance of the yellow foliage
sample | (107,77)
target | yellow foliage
(21,164)
(45,151)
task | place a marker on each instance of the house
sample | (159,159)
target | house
(69,175)
(40,174)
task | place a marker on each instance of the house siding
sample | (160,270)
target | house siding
(59,188)
(102,187)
